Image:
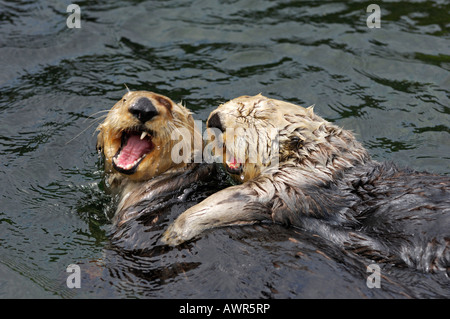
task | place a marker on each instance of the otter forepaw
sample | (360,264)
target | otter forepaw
(172,238)
(177,233)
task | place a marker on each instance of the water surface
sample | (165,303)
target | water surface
(391,86)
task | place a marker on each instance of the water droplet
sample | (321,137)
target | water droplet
(242,176)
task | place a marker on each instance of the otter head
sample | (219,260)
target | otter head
(266,133)
(137,137)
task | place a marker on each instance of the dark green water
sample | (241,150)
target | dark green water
(391,86)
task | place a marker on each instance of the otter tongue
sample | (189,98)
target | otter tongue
(132,151)
(233,163)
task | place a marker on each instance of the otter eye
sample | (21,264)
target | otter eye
(164,102)
(124,100)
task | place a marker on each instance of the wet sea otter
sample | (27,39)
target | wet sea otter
(323,181)
(138,140)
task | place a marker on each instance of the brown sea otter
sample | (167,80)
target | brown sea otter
(314,175)
(140,141)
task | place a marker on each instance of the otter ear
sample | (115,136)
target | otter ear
(310,110)
(296,142)
(293,144)
(291,147)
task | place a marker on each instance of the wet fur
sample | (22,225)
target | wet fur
(172,117)
(157,181)
(326,183)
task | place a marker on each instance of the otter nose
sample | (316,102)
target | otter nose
(143,109)
(214,122)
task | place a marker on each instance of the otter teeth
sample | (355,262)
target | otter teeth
(131,165)
(144,134)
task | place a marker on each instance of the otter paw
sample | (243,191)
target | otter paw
(175,235)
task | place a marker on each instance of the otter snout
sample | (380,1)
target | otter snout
(143,109)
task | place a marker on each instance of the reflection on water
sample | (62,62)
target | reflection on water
(389,85)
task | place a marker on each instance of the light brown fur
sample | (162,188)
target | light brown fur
(310,151)
(303,137)
(157,165)
(324,182)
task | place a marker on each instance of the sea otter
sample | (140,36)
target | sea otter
(318,177)
(140,142)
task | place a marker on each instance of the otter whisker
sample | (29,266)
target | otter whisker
(84,130)
(90,117)
(97,118)
(101,111)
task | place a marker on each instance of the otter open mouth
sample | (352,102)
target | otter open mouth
(134,147)
(233,166)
